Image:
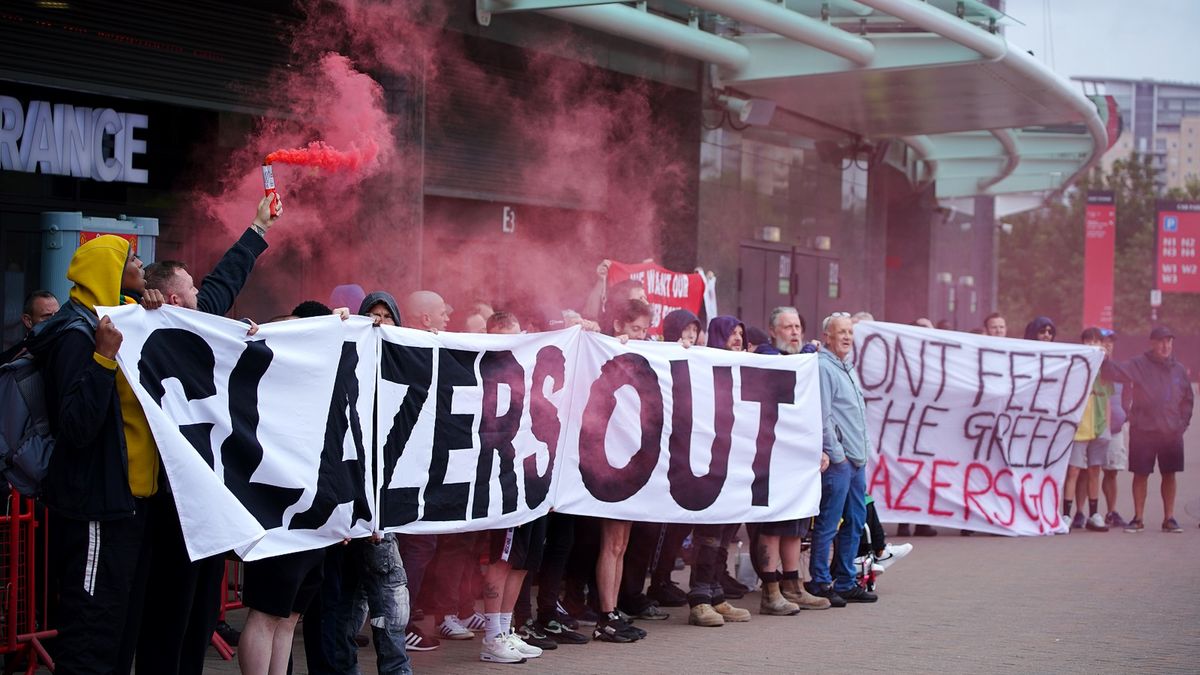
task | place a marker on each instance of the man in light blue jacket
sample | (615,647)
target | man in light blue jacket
(846,444)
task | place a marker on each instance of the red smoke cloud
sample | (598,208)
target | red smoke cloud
(319,154)
(591,156)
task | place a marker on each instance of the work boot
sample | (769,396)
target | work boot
(774,604)
(794,592)
(732,614)
(704,615)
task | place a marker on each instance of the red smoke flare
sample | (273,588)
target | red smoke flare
(320,154)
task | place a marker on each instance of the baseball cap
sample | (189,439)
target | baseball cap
(1161,332)
(1108,333)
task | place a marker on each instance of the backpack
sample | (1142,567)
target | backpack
(26,441)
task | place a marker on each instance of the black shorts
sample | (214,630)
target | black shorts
(1147,446)
(284,584)
(784,528)
(521,546)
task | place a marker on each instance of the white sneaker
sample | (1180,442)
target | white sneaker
(475,623)
(498,650)
(524,648)
(451,629)
(892,553)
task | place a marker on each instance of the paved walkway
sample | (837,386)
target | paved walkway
(1082,603)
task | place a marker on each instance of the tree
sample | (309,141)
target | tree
(1041,262)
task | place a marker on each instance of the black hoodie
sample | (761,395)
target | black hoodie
(377,297)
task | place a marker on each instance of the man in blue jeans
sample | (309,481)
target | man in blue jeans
(373,573)
(843,482)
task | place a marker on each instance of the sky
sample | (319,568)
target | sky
(1156,39)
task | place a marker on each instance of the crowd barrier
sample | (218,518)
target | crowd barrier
(23,597)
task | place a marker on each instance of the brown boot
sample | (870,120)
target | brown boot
(774,604)
(705,615)
(732,614)
(793,591)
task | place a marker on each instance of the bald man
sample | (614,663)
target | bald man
(426,310)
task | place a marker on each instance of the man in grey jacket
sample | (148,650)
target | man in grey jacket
(846,444)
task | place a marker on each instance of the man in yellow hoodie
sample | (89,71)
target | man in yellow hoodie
(105,463)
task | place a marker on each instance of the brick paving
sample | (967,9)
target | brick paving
(1082,603)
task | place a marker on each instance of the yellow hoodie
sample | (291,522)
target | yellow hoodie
(96,269)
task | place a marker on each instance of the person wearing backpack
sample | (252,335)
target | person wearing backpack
(104,466)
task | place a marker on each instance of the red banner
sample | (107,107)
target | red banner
(1178,233)
(1100,227)
(667,291)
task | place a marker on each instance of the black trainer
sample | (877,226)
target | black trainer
(561,616)
(667,594)
(858,594)
(635,632)
(826,592)
(610,629)
(650,612)
(533,635)
(560,633)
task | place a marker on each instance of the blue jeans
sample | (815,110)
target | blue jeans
(373,576)
(843,500)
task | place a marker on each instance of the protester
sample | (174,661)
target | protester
(786,329)
(1041,328)
(1117,460)
(1089,451)
(371,582)
(513,553)
(706,598)
(995,325)
(604,298)
(862,316)
(1161,412)
(277,590)
(39,306)
(629,321)
(184,596)
(846,446)
(427,311)
(105,463)
(778,545)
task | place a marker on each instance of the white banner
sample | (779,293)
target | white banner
(699,435)
(270,442)
(970,431)
(262,438)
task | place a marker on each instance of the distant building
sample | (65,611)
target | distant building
(1162,119)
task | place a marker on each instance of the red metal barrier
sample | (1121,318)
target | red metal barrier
(231,598)
(23,611)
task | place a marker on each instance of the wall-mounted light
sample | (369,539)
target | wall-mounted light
(822,243)
(770,233)
(755,111)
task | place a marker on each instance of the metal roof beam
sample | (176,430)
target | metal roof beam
(794,25)
(776,56)
(647,28)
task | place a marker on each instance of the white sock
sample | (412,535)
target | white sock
(506,622)
(493,626)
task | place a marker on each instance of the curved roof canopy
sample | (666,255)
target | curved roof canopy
(979,116)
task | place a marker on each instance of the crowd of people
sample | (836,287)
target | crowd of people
(126,592)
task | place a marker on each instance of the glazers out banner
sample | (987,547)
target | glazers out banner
(970,431)
(315,430)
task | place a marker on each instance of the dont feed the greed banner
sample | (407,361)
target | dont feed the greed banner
(316,430)
(970,431)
